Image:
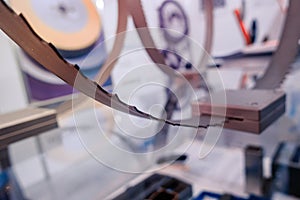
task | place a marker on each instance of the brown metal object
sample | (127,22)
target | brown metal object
(246,110)
(280,64)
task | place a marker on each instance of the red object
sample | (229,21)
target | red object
(242,26)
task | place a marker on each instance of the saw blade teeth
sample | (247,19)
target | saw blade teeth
(281,62)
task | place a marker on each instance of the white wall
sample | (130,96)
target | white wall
(12,90)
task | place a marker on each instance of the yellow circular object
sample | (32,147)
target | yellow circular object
(68,24)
